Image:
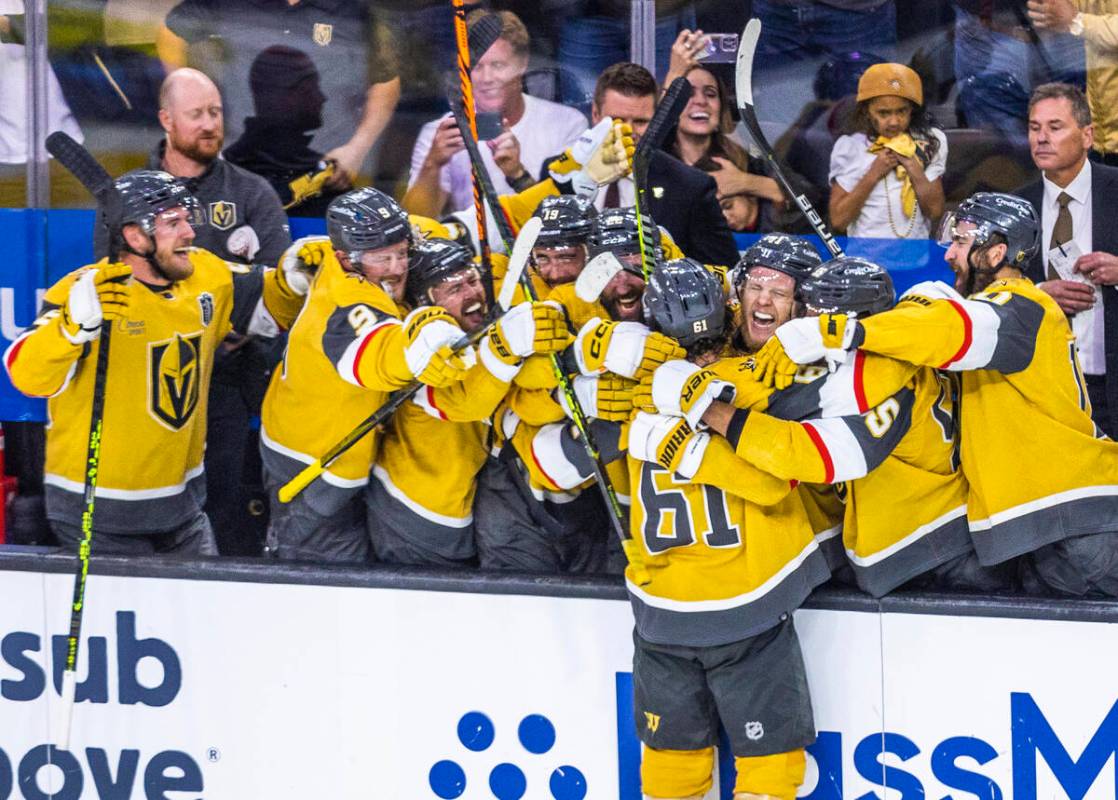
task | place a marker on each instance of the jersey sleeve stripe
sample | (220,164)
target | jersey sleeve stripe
(968,334)
(13,352)
(349,363)
(434,406)
(547,448)
(820,445)
(859,384)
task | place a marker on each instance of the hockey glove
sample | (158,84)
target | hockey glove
(667,441)
(680,389)
(607,396)
(628,349)
(601,155)
(100,294)
(532,328)
(429,335)
(301,261)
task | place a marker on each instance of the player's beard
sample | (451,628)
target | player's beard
(172,260)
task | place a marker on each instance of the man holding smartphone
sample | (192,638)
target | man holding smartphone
(521,131)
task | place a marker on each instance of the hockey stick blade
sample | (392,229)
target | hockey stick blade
(484,33)
(518,260)
(600,270)
(671,105)
(743,82)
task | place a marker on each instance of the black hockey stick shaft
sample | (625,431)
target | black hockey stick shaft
(744,85)
(578,415)
(78,161)
(667,114)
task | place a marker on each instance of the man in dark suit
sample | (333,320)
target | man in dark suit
(1077,263)
(682,200)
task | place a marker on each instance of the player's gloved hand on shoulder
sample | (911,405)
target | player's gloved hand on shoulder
(667,441)
(301,261)
(681,389)
(100,294)
(628,349)
(606,396)
(429,336)
(805,341)
(599,156)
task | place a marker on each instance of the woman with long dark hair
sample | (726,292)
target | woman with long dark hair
(886,172)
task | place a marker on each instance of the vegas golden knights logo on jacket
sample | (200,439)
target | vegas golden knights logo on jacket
(175,375)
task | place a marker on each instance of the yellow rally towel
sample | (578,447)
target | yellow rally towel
(904,145)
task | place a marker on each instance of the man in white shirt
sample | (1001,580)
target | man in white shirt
(1077,264)
(531,130)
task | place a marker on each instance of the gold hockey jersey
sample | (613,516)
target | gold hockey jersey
(1038,469)
(156,391)
(728,553)
(344,354)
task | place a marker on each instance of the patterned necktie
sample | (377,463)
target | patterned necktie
(1061,231)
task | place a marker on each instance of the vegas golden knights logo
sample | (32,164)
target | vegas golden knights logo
(322,33)
(652,721)
(174,374)
(223,214)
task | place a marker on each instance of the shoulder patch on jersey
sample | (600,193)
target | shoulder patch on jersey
(206,307)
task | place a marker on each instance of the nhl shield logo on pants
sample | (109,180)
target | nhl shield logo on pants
(175,371)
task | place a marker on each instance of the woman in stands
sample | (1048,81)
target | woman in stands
(751,201)
(886,173)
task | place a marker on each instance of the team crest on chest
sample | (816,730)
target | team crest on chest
(174,374)
(206,307)
(223,214)
(322,34)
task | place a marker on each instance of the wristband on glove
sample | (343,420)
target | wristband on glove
(667,441)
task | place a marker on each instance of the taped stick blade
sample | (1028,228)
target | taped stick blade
(743,73)
(518,260)
(595,275)
(484,33)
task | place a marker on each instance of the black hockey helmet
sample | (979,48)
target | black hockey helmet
(615,231)
(366,219)
(432,261)
(793,255)
(684,300)
(567,221)
(1013,219)
(146,193)
(848,285)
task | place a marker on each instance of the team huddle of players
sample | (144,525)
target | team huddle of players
(768,424)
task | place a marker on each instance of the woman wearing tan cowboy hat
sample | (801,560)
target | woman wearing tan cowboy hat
(886,173)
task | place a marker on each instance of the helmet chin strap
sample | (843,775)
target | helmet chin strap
(149,256)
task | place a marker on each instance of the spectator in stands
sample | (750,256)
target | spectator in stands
(531,129)
(351,50)
(1078,260)
(886,173)
(750,199)
(999,58)
(245,224)
(797,30)
(276,143)
(1096,23)
(681,198)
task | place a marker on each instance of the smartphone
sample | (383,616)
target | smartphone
(722,48)
(488,125)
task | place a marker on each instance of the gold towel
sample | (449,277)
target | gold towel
(904,145)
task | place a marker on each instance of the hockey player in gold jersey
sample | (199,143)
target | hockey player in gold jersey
(351,345)
(421,495)
(731,555)
(170,306)
(1043,480)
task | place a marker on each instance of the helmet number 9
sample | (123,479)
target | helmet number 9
(384,212)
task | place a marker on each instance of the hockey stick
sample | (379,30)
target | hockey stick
(578,416)
(601,270)
(667,114)
(97,181)
(518,263)
(743,79)
(486,31)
